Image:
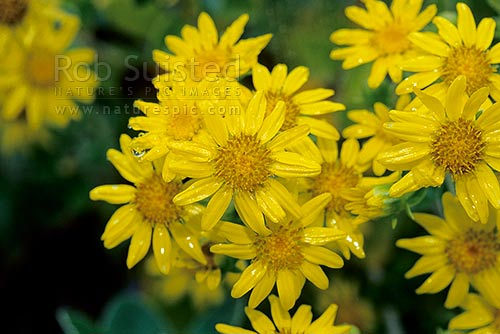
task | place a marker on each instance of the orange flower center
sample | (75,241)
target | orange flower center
(281,249)
(470,62)
(243,163)
(12,11)
(292,110)
(458,147)
(392,39)
(41,69)
(153,199)
(211,64)
(335,178)
(474,252)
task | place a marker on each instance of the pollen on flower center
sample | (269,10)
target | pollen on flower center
(470,62)
(291,109)
(281,249)
(183,125)
(13,11)
(41,69)
(458,147)
(392,39)
(474,251)
(335,178)
(243,163)
(153,199)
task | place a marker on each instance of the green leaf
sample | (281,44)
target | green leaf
(75,322)
(129,314)
(231,312)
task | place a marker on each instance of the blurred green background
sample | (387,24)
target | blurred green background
(55,274)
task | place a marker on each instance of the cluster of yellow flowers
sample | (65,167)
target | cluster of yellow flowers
(211,146)
(41,78)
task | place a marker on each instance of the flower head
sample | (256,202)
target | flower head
(300,323)
(449,139)
(43,79)
(200,53)
(457,252)
(384,38)
(148,215)
(458,50)
(240,160)
(285,255)
(279,85)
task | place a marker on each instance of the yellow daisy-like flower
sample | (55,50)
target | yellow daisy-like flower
(285,255)
(457,251)
(456,50)
(200,54)
(279,85)
(43,79)
(384,39)
(339,173)
(479,317)
(371,125)
(449,139)
(240,161)
(300,323)
(148,215)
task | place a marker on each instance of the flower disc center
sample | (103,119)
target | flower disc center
(280,250)
(12,11)
(391,40)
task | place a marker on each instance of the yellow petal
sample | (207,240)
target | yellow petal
(288,137)
(378,73)
(471,196)
(120,226)
(320,108)
(289,284)
(404,156)
(429,42)
(458,291)
(278,76)
(426,264)
(197,191)
(125,166)
(283,197)
(322,256)
(248,279)
(448,31)
(139,244)
(418,80)
(272,123)
(485,33)
(250,213)
(216,207)
(423,245)
(187,241)
(113,193)
(455,97)
(290,164)
(262,289)
(466,24)
(301,319)
(269,205)
(488,182)
(228,329)
(242,252)
(312,95)
(439,280)
(260,322)
(329,149)
(322,235)
(234,233)
(207,29)
(315,274)
(434,225)
(314,207)
(325,320)
(295,80)
(162,246)
(261,77)
(254,114)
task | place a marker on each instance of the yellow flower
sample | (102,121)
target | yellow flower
(449,139)
(285,255)
(339,173)
(480,316)
(300,323)
(384,38)
(457,251)
(456,50)
(371,125)
(43,79)
(200,54)
(149,216)
(239,161)
(280,86)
